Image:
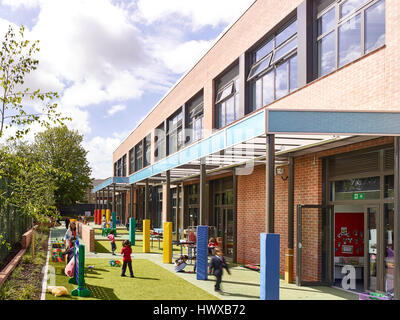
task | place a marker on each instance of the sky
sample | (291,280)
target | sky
(111,61)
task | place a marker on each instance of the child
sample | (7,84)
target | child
(117,221)
(104,224)
(126,252)
(217,264)
(180,263)
(112,239)
(212,244)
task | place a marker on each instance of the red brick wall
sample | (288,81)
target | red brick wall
(307,190)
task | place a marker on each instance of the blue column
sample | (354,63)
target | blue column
(269,266)
(202,253)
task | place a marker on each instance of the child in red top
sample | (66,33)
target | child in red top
(126,252)
(212,244)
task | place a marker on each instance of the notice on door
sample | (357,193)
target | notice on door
(349,234)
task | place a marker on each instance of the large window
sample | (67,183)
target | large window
(227,98)
(194,119)
(120,167)
(124,165)
(273,71)
(139,156)
(131,160)
(175,132)
(159,143)
(147,150)
(347,30)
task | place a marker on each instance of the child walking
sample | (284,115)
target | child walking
(217,264)
(112,239)
(127,261)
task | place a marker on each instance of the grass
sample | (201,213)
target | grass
(151,282)
(104,246)
(119,231)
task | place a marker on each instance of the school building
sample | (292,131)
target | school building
(289,124)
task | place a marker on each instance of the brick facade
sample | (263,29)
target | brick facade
(307,190)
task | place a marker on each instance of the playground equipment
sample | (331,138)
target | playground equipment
(132,229)
(114,263)
(79,272)
(146,236)
(167,242)
(57,250)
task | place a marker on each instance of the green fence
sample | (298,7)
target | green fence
(12,226)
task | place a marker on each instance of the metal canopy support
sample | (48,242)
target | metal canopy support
(177,217)
(108,197)
(168,196)
(397,218)
(289,258)
(102,200)
(235,191)
(95,201)
(202,193)
(146,200)
(270,183)
(114,205)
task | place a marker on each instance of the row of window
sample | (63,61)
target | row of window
(346,30)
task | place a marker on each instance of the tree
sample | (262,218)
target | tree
(16,61)
(61,149)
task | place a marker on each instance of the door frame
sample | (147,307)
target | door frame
(329,238)
(379,247)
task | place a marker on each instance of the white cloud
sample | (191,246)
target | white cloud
(197,14)
(117,108)
(100,152)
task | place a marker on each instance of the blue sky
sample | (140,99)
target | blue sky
(112,60)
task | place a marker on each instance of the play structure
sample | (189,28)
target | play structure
(57,250)
(79,271)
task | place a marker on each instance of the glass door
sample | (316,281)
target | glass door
(228,232)
(371,245)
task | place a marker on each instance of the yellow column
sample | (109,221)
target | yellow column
(103,212)
(289,266)
(146,236)
(108,213)
(167,242)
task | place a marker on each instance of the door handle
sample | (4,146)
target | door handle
(300,245)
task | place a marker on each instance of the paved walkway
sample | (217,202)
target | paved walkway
(241,284)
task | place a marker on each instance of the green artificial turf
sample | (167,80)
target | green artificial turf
(151,282)
(119,231)
(104,246)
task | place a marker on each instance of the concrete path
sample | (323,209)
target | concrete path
(241,284)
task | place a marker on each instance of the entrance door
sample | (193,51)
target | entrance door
(314,245)
(372,268)
(224,218)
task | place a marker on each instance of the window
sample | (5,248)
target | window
(115,169)
(227,98)
(139,156)
(147,150)
(124,166)
(347,30)
(159,143)
(273,73)
(175,132)
(194,116)
(131,160)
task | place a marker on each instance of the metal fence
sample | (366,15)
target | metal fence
(12,226)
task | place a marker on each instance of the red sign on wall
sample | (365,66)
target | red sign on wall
(349,234)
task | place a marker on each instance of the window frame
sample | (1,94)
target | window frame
(234,83)
(273,64)
(339,21)
(194,114)
(176,130)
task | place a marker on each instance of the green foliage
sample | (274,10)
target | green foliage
(16,62)
(61,149)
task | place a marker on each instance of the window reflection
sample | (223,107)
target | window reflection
(350,40)
(293,73)
(326,22)
(268,88)
(281,85)
(350,6)
(375,26)
(326,54)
